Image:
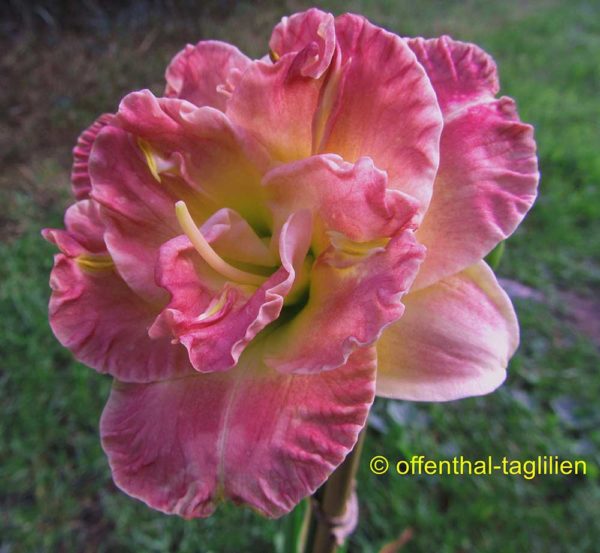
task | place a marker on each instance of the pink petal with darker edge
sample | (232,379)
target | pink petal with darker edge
(353,297)
(488,172)
(250,435)
(202,73)
(352,199)
(384,108)
(80,178)
(310,33)
(217,159)
(216,340)
(84,230)
(105,325)
(277,107)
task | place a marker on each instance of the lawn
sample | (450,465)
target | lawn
(56,493)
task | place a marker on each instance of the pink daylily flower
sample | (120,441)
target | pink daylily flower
(259,252)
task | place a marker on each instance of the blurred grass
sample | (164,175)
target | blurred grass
(55,487)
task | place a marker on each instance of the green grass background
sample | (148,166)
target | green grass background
(56,492)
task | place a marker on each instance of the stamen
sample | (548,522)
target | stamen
(208,254)
(326,102)
(94,262)
(213,307)
(150,159)
(274,56)
(351,247)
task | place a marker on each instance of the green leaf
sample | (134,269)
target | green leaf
(493,258)
(295,530)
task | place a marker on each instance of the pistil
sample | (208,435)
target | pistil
(209,255)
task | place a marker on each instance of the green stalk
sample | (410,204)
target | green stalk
(333,500)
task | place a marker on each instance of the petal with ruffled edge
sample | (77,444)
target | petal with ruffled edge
(139,212)
(351,199)
(202,74)
(488,173)
(311,32)
(284,101)
(217,159)
(355,291)
(250,435)
(453,341)
(95,314)
(80,178)
(277,105)
(84,232)
(366,259)
(216,319)
(461,73)
(187,153)
(384,108)
(105,325)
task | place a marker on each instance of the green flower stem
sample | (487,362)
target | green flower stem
(334,498)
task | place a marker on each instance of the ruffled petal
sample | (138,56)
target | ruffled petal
(250,435)
(277,105)
(168,150)
(80,178)
(488,171)
(216,319)
(105,325)
(453,341)
(140,212)
(461,73)
(486,184)
(203,74)
(311,32)
(384,108)
(95,314)
(84,232)
(351,199)
(218,160)
(355,291)
(366,259)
